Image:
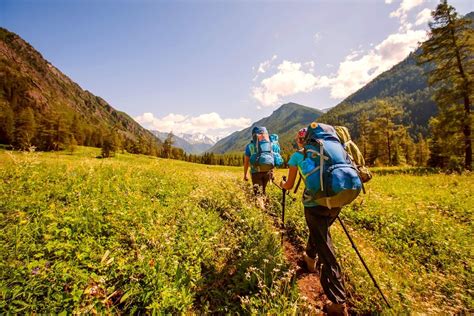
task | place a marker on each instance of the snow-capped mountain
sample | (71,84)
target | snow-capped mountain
(198,138)
(190,143)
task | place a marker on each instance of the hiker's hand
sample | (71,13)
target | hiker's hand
(282,184)
(246,178)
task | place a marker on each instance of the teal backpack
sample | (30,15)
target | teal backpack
(330,178)
(261,154)
(276,150)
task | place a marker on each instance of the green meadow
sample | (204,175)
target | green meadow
(414,229)
(136,233)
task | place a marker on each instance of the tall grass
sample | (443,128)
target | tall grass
(415,231)
(133,234)
(140,234)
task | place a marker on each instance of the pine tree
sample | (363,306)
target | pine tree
(77,131)
(364,130)
(62,133)
(168,145)
(108,145)
(421,151)
(25,129)
(384,134)
(450,50)
(7,124)
(407,146)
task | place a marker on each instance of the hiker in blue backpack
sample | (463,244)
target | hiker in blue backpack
(330,183)
(259,157)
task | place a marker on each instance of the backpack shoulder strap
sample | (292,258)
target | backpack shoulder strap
(259,151)
(252,148)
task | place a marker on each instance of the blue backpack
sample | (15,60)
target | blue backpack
(276,150)
(330,178)
(261,154)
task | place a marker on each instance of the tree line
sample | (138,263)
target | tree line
(25,127)
(171,152)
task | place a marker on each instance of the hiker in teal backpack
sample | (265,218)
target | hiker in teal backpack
(330,183)
(259,157)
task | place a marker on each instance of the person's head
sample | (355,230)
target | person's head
(259,130)
(300,136)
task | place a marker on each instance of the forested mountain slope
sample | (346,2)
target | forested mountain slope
(38,98)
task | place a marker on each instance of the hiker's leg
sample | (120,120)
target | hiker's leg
(311,249)
(331,279)
(266,176)
(257,182)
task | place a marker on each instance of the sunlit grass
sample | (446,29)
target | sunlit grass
(415,231)
(134,234)
(137,233)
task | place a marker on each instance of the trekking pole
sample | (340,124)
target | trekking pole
(283,211)
(297,185)
(279,187)
(363,262)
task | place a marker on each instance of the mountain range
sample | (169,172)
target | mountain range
(190,143)
(285,121)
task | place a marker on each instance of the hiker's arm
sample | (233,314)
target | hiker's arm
(288,185)
(246,167)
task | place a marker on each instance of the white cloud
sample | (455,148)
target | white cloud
(423,17)
(357,70)
(359,67)
(388,1)
(405,6)
(290,79)
(402,12)
(264,66)
(210,123)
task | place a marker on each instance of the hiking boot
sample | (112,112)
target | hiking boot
(310,263)
(333,309)
(261,202)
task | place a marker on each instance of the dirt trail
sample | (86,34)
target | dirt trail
(308,283)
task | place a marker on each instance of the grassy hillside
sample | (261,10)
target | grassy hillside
(285,121)
(140,234)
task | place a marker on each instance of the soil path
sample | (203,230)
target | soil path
(308,283)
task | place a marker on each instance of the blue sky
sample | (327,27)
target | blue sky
(216,66)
